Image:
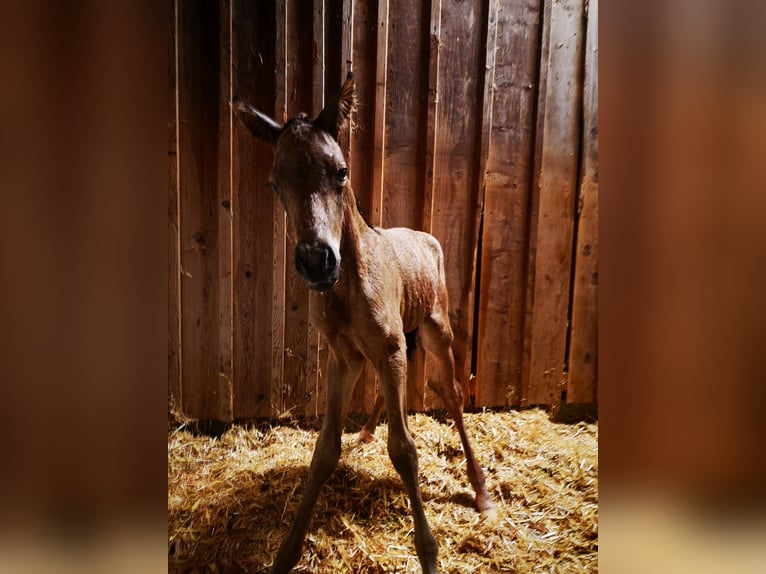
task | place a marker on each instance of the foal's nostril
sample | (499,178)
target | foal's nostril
(316,262)
(329,260)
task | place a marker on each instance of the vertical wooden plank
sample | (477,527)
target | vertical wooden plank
(490,46)
(406,89)
(363,45)
(225,223)
(379,121)
(368,389)
(456,207)
(300,75)
(206,395)
(581,383)
(174,269)
(550,267)
(310,407)
(338,21)
(253,63)
(404,141)
(534,199)
(417,396)
(507,180)
(279,225)
(432,115)
(336,41)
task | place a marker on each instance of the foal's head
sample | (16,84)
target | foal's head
(309,176)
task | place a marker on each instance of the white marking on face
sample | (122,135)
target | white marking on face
(322,228)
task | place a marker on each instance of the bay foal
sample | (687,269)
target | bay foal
(374,286)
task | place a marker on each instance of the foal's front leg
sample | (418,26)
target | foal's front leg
(343,373)
(392,371)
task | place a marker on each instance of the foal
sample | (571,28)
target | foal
(374,286)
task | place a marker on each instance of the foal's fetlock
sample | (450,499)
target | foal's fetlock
(366,436)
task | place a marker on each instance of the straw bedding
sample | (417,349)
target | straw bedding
(231,498)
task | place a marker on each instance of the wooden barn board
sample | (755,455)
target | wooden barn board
(507,181)
(206,394)
(225,219)
(417,400)
(253,63)
(455,202)
(551,250)
(432,115)
(174,269)
(490,48)
(406,86)
(364,45)
(430,76)
(534,199)
(583,351)
(317,101)
(299,343)
(334,67)
(279,223)
(379,120)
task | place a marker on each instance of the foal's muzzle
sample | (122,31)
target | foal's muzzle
(317,264)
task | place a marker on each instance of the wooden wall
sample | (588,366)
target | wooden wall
(477,122)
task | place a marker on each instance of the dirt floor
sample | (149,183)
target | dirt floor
(231,498)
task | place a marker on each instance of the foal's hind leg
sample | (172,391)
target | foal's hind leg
(368,430)
(436,337)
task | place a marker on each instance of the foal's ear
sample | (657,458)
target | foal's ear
(338,109)
(260,125)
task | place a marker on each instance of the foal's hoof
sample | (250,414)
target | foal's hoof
(366,436)
(489,516)
(487,510)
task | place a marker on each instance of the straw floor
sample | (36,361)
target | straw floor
(231,498)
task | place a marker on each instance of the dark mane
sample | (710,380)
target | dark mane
(364,216)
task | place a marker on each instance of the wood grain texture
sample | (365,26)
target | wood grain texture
(310,406)
(455,203)
(551,270)
(364,45)
(468,126)
(253,63)
(429,167)
(583,353)
(379,120)
(225,219)
(205,393)
(534,200)
(279,224)
(300,77)
(507,181)
(404,148)
(490,47)
(406,92)
(174,268)
(432,116)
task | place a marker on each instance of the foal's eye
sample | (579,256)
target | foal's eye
(341,174)
(274,187)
